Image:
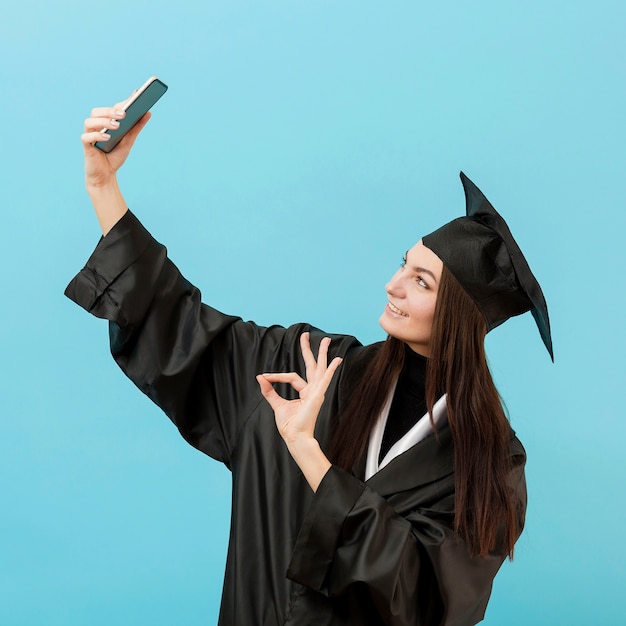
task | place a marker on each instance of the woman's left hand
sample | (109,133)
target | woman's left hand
(296,419)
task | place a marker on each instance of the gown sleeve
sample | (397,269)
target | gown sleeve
(394,564)
(197,364)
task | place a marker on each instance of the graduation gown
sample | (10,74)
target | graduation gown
(375,552)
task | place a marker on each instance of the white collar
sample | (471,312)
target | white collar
(419,431)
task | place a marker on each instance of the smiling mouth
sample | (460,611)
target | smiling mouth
(396,310)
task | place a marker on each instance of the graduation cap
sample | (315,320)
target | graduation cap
(481,253)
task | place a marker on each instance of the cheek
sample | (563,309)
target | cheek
(422,318)
(423,312)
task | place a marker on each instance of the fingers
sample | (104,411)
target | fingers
(101,120)
(89,138)
(307,354)
(332,368)
(312,365)
(322,353)
(297,382)
(106,118)
(291,378)
(318,373)
(114,112)
(324,373)
(96,129)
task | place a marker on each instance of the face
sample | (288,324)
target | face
(412,295)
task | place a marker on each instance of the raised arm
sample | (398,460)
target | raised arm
(101,168)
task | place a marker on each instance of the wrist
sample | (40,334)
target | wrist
(102,186)
(303,445)
(108,203)
(308,455)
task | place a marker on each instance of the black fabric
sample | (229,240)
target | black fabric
(354,553)
(409,400)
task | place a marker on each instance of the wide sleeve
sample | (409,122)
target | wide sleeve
(404,568)
(197,364)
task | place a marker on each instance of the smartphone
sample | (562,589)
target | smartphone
(141,101)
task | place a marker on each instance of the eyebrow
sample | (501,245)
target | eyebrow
(423,270)
(420,270)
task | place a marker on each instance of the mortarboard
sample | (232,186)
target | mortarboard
(481,253)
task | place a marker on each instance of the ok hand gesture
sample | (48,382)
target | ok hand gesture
(296,419)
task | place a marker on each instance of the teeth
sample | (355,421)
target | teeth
(395,309)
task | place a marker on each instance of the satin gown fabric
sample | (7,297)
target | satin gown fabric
(356,552)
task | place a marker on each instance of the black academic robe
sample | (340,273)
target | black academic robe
(374,552)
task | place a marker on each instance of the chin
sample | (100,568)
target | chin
(390,326)
(382,322)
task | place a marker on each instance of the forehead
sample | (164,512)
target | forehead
(421,256)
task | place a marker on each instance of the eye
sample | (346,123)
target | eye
(403,261)
(422,283)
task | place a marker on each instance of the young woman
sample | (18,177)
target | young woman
(383,485)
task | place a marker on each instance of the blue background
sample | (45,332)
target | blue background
(301,149)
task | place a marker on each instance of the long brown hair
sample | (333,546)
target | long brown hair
(485,511)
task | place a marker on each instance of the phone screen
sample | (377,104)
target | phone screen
(135,110)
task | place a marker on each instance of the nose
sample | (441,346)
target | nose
(394,286)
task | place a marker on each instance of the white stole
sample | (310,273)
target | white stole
(419,431)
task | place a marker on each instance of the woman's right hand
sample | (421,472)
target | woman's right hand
(101,167)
